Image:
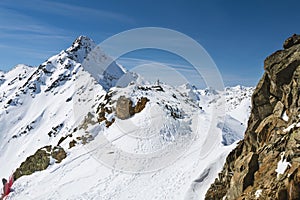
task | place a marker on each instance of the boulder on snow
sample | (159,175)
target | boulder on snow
(124,108)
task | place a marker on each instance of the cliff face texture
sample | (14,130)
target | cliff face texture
(266,164)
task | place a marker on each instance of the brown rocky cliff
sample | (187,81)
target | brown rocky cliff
(250,171)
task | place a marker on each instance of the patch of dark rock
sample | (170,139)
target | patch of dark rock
(39,161)
(58,153)
(72,144)
(63,139)
(54,131)
(69,99)
(85,138)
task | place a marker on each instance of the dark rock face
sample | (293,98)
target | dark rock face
(253,165)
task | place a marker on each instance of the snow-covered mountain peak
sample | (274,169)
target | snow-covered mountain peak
(21,67)
(84,40)
(80,48)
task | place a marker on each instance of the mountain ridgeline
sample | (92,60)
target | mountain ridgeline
(266,163)
(65,124)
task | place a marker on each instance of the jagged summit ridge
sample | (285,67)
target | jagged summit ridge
(84,40)
(291,41)
(81,47)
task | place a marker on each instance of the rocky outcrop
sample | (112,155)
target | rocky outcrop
(141,104)
(125,108)
(58,153)
(266,164)
(295,39)
(40,160)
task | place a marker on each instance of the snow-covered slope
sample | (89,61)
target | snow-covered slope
(239,106)
(37,101)
(157,153)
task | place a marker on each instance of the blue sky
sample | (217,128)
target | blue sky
(238,35)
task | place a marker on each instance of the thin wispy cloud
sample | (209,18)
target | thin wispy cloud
(14,23)
(31,28)
(30,36)
(172,72)
(30,52)
(182,68)
(24,38)
(137,61)
(186,70)
(233,79)
(22,49)
(76,12)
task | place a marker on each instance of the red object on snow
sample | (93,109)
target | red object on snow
(11,181)
(7,186)
(6,189)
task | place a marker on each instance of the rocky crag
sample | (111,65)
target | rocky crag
(266,164)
